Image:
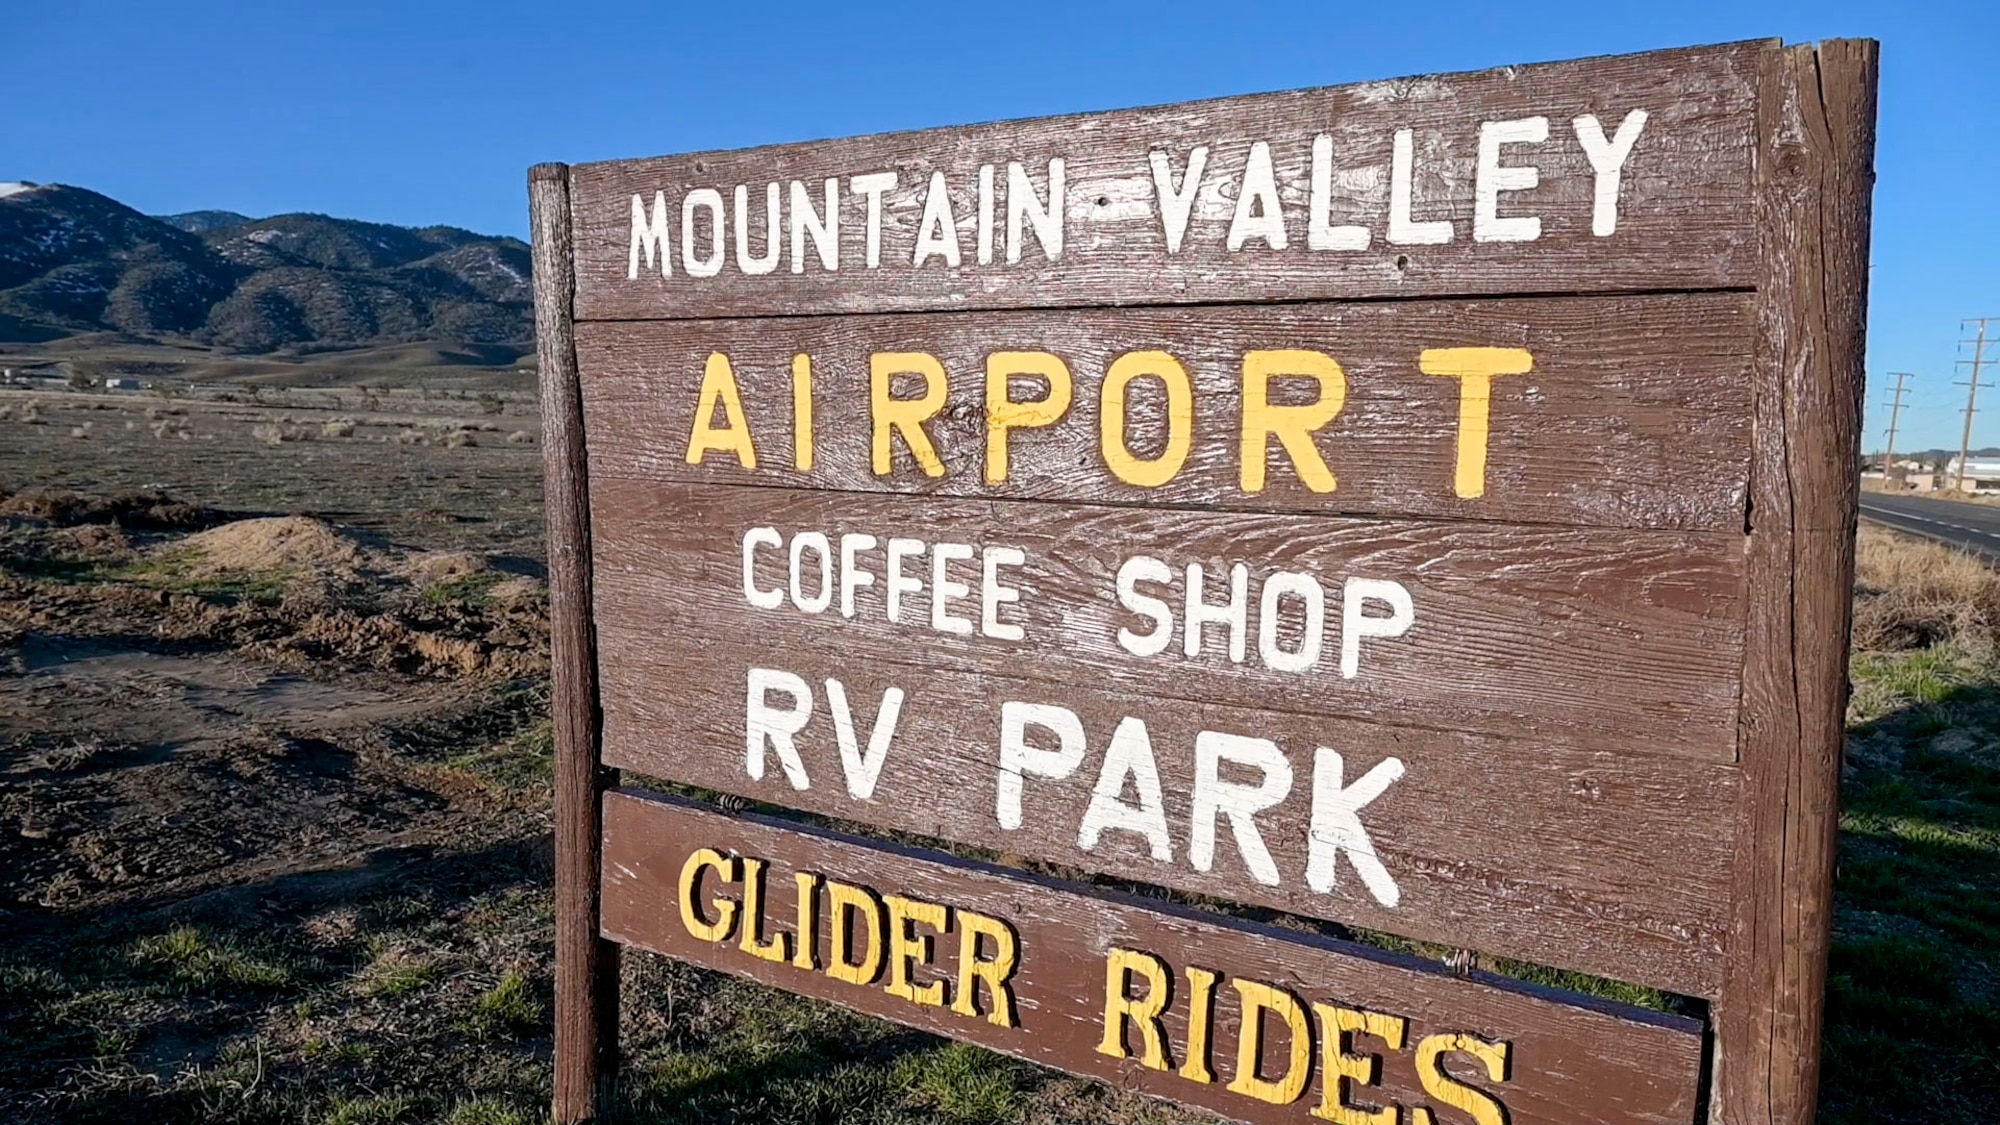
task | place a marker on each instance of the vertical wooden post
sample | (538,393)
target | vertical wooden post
(1815,173)
(586,1016)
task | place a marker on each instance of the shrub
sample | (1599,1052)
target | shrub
(1911,594)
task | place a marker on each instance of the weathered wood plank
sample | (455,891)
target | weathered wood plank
(1566,1059)
(1636,412)
(1595,861)
(586,1000)
(1677,218)
(1816,171)
(1554,807)
(1594,639)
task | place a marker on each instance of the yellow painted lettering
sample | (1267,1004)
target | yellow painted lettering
(1293,426)
(908,415)
(1201,1025)
(908,948)
(802,412)
(1259,998)
(699,927)
(1341,1066)
(996,971)
(1003,414)
(808,920)
(718,387)
(848,904)
(1143,1012)
(779,947)
(1475,370)
(1111,421)
(1482,1107)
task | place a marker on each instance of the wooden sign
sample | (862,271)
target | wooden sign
(1251,1022)
(1424,506)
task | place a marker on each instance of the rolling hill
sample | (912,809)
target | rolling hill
(73,262)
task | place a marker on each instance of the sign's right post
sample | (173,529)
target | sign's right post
(1815,172)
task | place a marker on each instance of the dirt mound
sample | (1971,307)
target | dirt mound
(432,568)
(273,543)
(136,511)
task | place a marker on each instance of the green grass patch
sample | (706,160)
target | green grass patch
(1913,988)
(523,761)
(961,1084)
(191,958)
(378,1109)
(507,1010)
(474,590)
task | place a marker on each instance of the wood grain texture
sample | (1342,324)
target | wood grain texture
(1816,171)
(1545,814)
(1593,861)
(586,999)
(1573,1060)
(1595,640)
(1683,220)
(1636,415)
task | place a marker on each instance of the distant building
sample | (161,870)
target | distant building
(120,383)
(1982,474)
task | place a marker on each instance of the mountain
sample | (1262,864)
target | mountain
(74,261)
(195,222)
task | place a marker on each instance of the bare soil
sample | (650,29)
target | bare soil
(274,806)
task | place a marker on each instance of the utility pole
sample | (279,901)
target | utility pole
(1895,412)
(1971,394)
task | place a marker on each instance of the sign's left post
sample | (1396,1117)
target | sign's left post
(586,1000)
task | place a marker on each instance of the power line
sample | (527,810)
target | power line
(1971,394)
(1895,405)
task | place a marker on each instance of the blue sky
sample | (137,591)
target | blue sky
(431,113)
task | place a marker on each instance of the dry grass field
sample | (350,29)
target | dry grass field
(274,764)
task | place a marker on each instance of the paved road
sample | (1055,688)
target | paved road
(1975,527)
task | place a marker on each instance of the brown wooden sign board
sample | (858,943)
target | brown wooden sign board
(1201,1009)
(1423,505)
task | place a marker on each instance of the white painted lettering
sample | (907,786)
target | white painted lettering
(872,186)
(1234,613)
(1403,230)
(1307,590)
(1240,803)
(1258,212)
(851,575)
(985,241)
(1607,159)
(1491,179)
(1336,826)
(772,229)
(816,543)
(992,594)
(825,233)
(1320,235)
(894,584)
(944,591)
(1137,569)
(862,770)
(650,236)
(1355,622)
(767,726)
(937,234)
(1018,758)
(1176,203)
(1023,204)
(1129,755)
(762,599)
(710,200)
